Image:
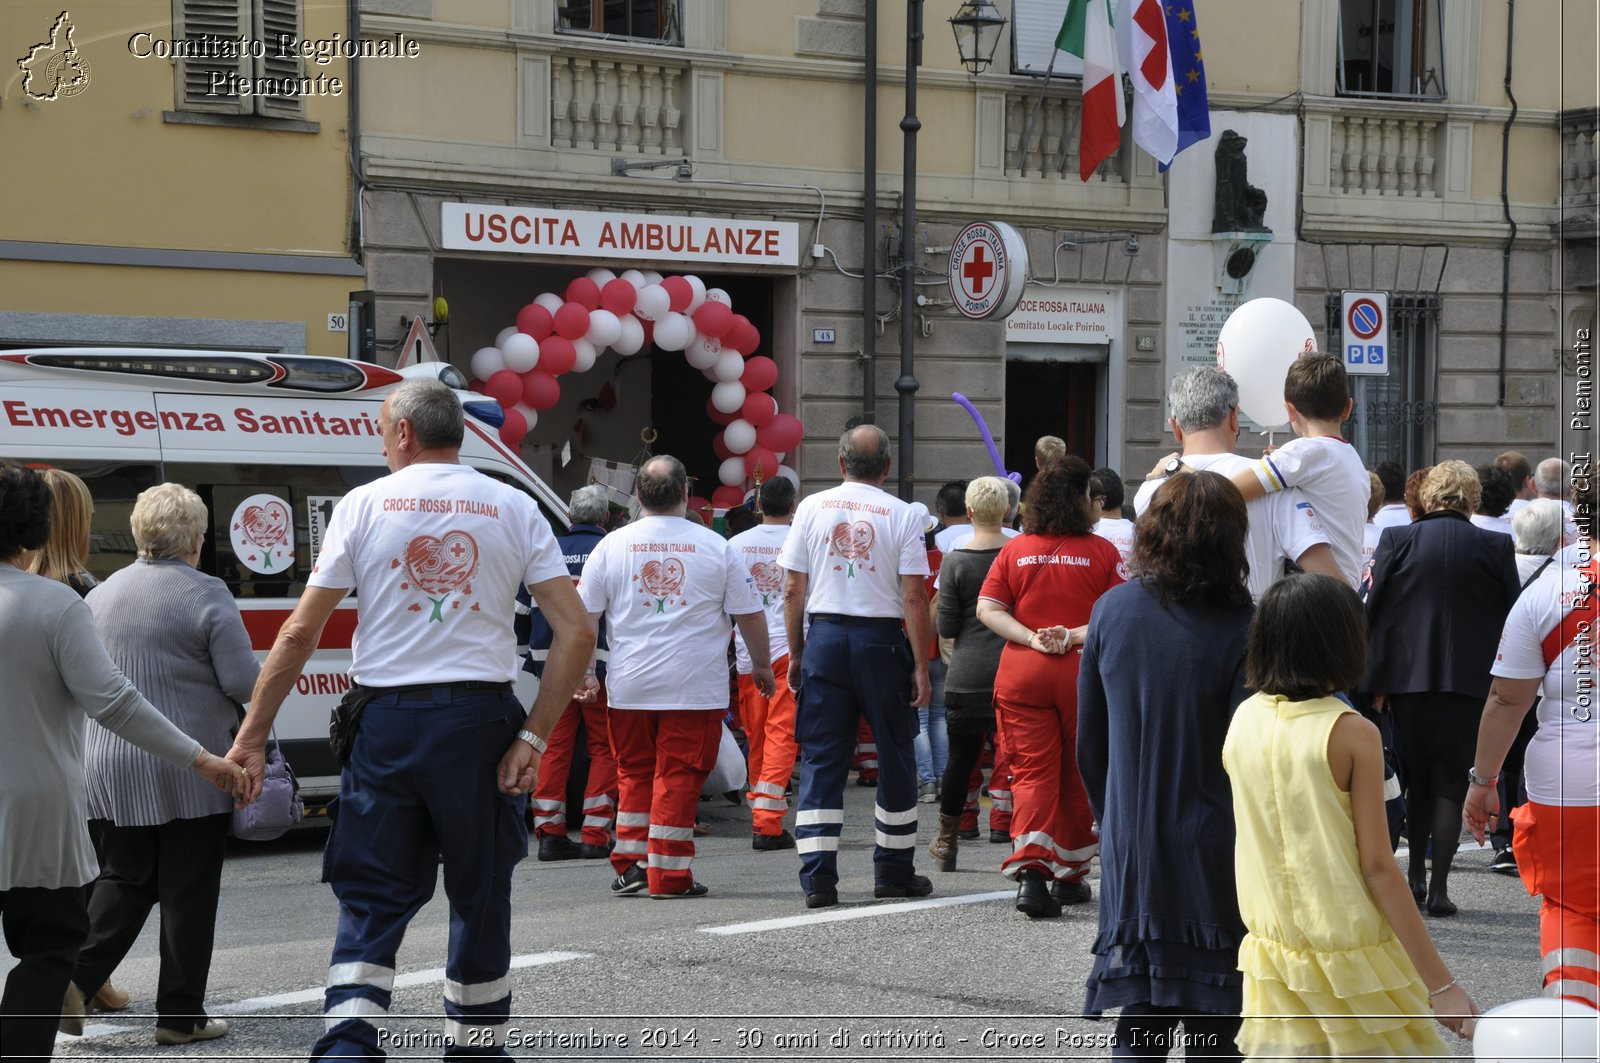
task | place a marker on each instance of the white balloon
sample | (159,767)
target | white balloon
(698,286)
(1538,1030)
(601,276)
(673,332)
(1256,346)
(631,341)
(505,334)
(726,398)
(710,374)
(730,366)
(790,475)
(521,352)
(654,303)
(731,472)
(550,301)
(486,362)
(529,414)
(739,436)
(633,277)
(604,328)
(717,295)
(587,353)
(703,353)
(652,277)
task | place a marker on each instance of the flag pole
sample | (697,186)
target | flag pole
(1027,128)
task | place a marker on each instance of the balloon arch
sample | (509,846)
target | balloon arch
(628,313)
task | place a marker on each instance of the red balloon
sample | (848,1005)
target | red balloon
(760,463)
(504,387)
(572,321)
(649,335)
(557,354)
(742,336)
(535,320)
(759,408)
(719,417)
(720,448)
(726,497)
(513,428)
(478,386)
(584,292)
(679,291)
(540,389)
(760,373)
(783,433)
(713,319)
(619,296)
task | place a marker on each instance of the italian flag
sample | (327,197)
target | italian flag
(1086,32)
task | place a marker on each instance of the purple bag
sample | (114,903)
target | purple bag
(277,809)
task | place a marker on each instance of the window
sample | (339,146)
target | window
(1034,27)
(1391,48)
(1395,416)
(653,20)
(218,75)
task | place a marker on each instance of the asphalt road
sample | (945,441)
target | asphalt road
(744,973)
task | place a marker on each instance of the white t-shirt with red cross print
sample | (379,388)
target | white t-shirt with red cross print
(667,587)
(436,552)
(759,550)
(854,542)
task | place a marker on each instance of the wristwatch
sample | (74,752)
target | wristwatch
(1172,466)
(533,740)
(1478,780)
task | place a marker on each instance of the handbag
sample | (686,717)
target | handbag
(278,808)
(730,771)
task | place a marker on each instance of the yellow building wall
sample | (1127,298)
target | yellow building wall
(1251,45)
(448,93)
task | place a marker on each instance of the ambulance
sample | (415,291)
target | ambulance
(270,442)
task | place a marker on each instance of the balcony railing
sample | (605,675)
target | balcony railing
(1042,135)
(1383,154)
(616,104)
(1578,162)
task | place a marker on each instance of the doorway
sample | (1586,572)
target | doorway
(1050,398)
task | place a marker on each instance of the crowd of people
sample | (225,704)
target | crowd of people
(1235,702)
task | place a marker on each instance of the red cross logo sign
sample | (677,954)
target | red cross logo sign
(988,268)
(977,270)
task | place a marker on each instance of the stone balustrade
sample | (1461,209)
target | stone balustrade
(1383,154)
(622,105)
(1041,135)
(1578,161)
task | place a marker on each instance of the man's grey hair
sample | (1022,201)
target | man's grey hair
(1013,497)
(1536,527)
(1551,478)
(661,483)
(1202,398)
(433,411)
(864,450)
(589,505)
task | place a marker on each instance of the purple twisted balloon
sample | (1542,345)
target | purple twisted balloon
(988,440)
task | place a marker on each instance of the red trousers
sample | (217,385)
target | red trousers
(1000,799)
(1052,828)
(865,759)
(1558,855)
(769,730)
(663,758)
(600,791)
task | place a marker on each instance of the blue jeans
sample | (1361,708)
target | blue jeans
(933,739)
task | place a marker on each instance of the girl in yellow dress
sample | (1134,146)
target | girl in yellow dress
(1337,962)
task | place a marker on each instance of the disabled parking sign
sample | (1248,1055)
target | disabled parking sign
(1365,338)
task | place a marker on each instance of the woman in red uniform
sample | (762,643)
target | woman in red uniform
(1038,597)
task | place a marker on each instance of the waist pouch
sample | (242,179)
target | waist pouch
(345,719)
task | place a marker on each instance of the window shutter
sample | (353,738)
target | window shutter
(279,19)
(207,20)
(1034,25)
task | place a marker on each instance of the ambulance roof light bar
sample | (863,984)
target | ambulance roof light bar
(225,369)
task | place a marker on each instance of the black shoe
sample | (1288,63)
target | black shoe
(1505,862)
(1441,908)
(594,852)
(916,886)
(968,834)
(1070,893)
(771,843)
(733,797)
(632,880)
(867,780)
(822,899)
(696,889)
(999,837)
(1033,895)
(557,847)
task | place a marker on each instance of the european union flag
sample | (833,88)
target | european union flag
(1188,72)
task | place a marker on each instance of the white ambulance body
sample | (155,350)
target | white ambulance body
(271,442)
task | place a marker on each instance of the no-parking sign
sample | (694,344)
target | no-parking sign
(1365,341)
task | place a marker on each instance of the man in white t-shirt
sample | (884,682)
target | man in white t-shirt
(951,503)
(438,551)
(666,587)
(1110,524)
(858,567)
(1525,488)
(1553,483)
(1205,420)
(768,719)
(1393,512)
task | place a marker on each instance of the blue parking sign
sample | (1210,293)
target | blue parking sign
(1374,355)
(1354,354)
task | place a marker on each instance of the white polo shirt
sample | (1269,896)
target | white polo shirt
(667,587)
(438,552)
(1118,531)
(854,542)
(1335,484)
(759,550)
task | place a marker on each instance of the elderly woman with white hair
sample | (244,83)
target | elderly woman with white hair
(177,634)
(1536,529)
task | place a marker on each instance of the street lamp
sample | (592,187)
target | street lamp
(977,27)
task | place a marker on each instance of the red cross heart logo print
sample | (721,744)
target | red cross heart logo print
(769,579)
(439,567)
(662,579)
(853,542)
(266,526)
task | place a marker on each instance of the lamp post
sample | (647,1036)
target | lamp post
(977,27)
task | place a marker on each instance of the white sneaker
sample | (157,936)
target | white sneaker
(209,1030)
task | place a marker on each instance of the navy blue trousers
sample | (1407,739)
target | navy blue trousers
(851,669)
(421,786)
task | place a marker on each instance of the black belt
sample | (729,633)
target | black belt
(859,621)
(470,686)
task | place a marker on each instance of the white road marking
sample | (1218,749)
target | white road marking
(866,911)
(1464,847)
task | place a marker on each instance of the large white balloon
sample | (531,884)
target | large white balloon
(727,397)
(654,303)
(698,288)
(529,414)
(730,366)
(634,277)
(521,352)
(717,295)
(790,475)
(486,362)
(586,354)
(731,472)
(711,375)
(652,277)
(739,436)
(505,334)
(1538,1030)
(601,276)
(673,332)
(604,328)
(704,352)
(1256,345)
(550,301)
(632,339)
